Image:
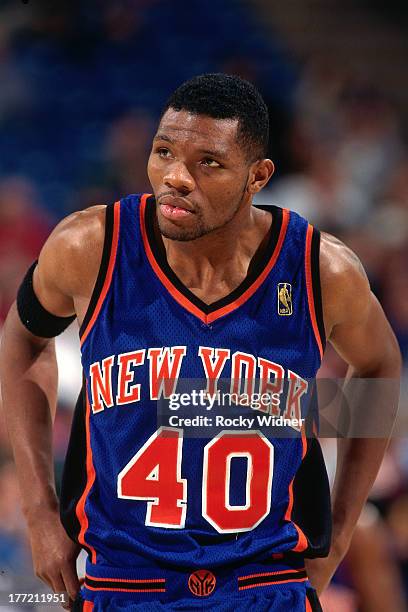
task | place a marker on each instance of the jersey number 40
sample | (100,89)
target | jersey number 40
(154,475)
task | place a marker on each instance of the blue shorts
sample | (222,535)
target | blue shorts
(272,586)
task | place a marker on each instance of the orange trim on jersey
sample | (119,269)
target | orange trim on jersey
(88,606)
(261,584)
(251,290)
(309,287)
(182,299)
(90,479)
(288,514)
(109,273)
(304,441)
(290,503)
(124,590)
(308,606)
(302,543)
(132,580)
(278,573)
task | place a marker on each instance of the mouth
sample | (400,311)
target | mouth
(175,202)
(173,207)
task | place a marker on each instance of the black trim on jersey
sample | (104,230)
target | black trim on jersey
(317,290)
(311,424)
(103,269)
(311,501)
(74,476)
(78,604)
(313,600)
(129,585)
(271,578)
(257,265)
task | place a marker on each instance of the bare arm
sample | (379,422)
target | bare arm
(28,371)
(359,331)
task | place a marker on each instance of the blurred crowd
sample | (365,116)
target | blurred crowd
(82,87)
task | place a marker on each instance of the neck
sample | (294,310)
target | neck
(223,256)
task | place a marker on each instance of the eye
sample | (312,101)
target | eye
(210,163)
(163,152)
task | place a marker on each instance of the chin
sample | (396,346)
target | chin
(181,234)
(178,234)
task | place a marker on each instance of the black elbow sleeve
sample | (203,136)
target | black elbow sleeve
(33,315)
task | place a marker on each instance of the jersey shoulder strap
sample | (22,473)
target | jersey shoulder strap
(112,223)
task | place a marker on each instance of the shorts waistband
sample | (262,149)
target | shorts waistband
(160,581)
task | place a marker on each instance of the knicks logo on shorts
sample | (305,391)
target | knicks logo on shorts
(285,299)
(202,583)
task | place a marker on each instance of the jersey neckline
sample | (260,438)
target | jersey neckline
(208,313)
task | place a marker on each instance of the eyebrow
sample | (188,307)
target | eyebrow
(161,136)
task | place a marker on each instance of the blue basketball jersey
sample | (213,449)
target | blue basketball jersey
(140,490)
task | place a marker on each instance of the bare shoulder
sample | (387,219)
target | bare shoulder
(70,258)
(345,287)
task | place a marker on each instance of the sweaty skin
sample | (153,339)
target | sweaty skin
(197,163)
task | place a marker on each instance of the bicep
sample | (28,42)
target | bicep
(48,280)
(69,261)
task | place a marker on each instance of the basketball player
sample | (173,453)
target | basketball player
(191,282)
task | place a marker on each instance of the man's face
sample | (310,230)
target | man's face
(198,173)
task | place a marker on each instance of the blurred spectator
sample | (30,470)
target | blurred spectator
(127,148)
(323,192)
(23,230)
(372,567)
(371,144)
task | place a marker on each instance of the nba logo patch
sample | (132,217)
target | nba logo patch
(285,299)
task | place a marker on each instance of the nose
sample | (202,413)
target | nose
(178,177)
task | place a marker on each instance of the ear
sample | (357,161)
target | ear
(259,174)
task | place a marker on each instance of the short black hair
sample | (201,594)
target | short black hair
(224,96)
